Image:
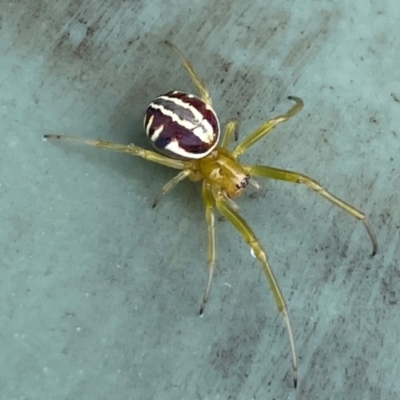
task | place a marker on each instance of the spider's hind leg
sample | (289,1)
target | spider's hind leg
(131,149)
(200,86)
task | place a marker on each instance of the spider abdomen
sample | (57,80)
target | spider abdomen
(183,125)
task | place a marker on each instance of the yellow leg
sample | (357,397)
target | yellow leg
(244,229)
(209,205)
(200,86)
(249,141)
(125,148)
(171,184)
(295,177)
(231,130)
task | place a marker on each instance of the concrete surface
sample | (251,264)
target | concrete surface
(99,293)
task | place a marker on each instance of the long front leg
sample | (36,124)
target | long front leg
(244,229)
(296,177)
(267,127)
(124,148)
(210,218)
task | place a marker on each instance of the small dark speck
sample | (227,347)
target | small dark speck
(69,314)
(226,66)
(90,31)
(395,98)
(373,120)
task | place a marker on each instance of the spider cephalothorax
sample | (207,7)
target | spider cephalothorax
(185,128)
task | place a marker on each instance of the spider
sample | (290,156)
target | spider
(185,130)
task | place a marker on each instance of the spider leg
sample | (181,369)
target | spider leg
(124,148)
(171,184)
(244,229)
(267,127)
(210,218)
(200,86)
(256,186)
(231,130)
(296,177)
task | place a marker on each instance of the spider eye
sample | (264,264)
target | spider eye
(183,125)
(245,182)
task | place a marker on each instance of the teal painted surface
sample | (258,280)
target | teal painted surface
(99,293)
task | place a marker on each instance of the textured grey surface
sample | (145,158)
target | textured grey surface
(99,293)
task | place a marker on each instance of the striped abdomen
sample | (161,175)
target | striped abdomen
(181,124)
